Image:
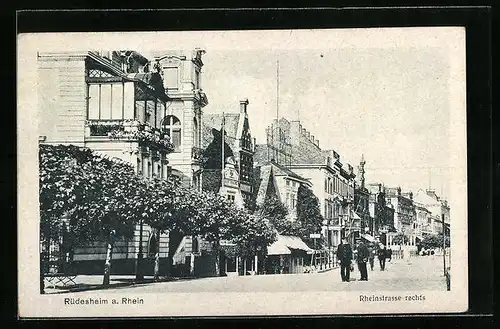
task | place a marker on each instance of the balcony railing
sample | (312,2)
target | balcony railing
(131,130)
(196,153)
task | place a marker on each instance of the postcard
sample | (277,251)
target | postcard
(242,172)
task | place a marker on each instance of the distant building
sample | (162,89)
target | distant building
(239,148)
(424,223)
(286,182)
(404,209)
(437,207)
(291,145)
(362,202)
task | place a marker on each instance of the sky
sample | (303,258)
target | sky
(389,104)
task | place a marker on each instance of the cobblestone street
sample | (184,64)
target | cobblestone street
(415,274)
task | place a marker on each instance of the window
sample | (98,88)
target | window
(152,245)
(287,182)
(106,101)
(195,132)
(171,77)
(197,80)
(150,113)
(231,197)
(172,127)
(139,166)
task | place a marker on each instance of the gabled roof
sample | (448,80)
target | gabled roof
(261,154)
(230,126)
(264,177)
(280,170)
(423,198)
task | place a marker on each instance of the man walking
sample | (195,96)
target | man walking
(344,256)
(362,259)
(371,256)
(382,254)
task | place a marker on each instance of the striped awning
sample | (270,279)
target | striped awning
(285,244)
(368,237)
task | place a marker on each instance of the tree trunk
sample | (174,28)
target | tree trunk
(44,258)
(157,257)
(217,258)
(107,264)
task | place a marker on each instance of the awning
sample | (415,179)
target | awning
(354,215)
(285,244)
(368,237)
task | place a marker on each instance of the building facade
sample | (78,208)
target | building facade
(181,71)
(291,145)
(239,147)
(287,184)
(404,209)
(368,225)
(112,102)
(437,207)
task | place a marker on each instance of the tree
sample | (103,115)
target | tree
(400,239)
(89,194)
(308,214)
(161,194)
(432,241)
(253,235)
(276,212)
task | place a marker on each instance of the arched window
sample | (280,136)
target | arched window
(153,244)
(172,127)
(195,132)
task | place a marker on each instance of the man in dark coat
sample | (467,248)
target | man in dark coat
(362,259)
(344,255)
(382,254)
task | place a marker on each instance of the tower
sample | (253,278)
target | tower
(361,172)
(182,119)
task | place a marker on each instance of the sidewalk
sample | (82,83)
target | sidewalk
(94,282)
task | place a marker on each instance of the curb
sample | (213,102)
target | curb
(110,286)
(327,269)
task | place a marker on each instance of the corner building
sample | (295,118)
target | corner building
(114,103)
(181,71)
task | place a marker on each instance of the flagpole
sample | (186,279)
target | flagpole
(223,140)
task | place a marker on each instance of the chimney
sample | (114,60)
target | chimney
(316,142)
(312,138)
(243,105)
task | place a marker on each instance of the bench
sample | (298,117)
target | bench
(56,278)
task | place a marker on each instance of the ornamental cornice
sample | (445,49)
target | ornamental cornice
(64,56)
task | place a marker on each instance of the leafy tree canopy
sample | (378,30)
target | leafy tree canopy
(432,241)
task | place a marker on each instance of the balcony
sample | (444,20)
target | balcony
(129,130)
(196,153)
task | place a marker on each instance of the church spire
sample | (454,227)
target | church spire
(361,171)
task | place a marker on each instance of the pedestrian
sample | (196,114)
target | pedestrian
(389,255)
(344,256)
(362,259)
(371,256)
(382,254)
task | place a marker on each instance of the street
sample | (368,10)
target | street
(414,274)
